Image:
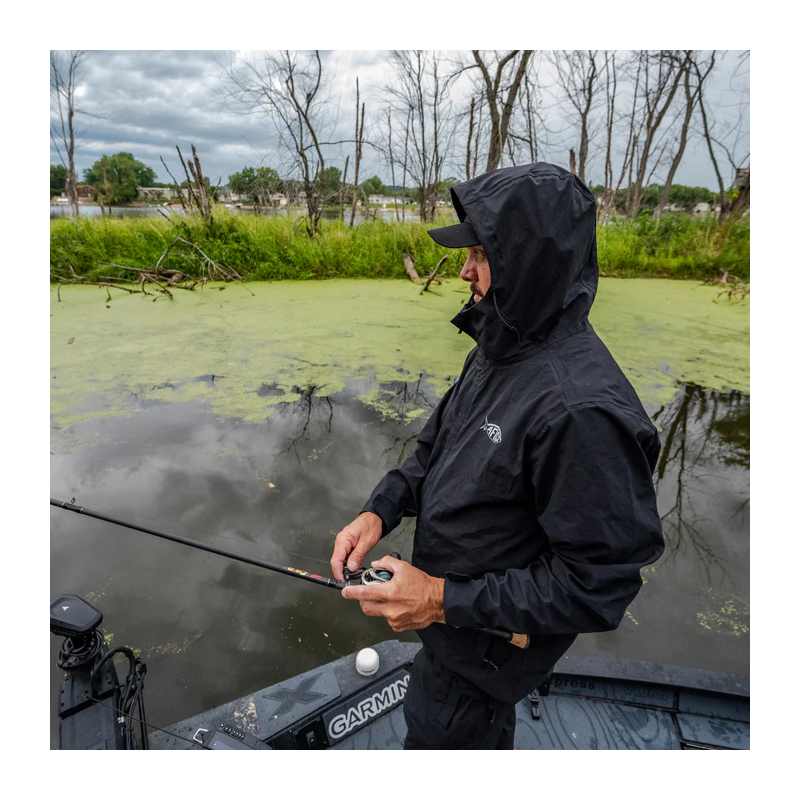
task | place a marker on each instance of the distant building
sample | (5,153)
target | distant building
(697,210)
(155,192)
(85,192)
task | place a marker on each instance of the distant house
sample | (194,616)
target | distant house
(85,192)
(704,208)
(155,192)
(384,200)
(279,199)
(698,209)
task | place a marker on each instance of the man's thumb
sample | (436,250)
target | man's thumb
(356,557)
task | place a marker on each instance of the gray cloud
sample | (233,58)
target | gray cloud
(149,101)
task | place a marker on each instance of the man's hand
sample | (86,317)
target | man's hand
(411,600)
(355,541)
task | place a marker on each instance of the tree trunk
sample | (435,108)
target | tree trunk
(500,112)
(655,116)
(342,188)
(469,134)
(687,118)
(359,140)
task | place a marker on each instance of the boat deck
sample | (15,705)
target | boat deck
(593,704)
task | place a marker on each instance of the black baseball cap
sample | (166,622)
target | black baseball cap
(460,235)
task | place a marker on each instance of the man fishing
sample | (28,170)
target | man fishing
(532,480)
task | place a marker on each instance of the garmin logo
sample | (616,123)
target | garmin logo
(368,708)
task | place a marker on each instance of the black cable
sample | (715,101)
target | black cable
(78,651)
(154,727)
(131,692)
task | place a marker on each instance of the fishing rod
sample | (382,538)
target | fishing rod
(295,573)
(369,576)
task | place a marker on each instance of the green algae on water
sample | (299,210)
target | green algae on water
(725,614)
(243,354)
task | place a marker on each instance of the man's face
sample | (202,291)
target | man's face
(476,271)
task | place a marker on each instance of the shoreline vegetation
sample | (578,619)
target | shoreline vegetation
(262,248)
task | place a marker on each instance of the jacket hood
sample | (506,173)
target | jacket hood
(537,225)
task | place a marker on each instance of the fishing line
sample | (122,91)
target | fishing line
(150,725)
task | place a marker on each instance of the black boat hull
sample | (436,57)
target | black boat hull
(593,703)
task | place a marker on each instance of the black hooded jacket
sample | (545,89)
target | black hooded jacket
(532,480)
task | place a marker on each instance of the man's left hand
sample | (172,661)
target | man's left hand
(411,600)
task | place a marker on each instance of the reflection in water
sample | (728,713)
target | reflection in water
(705,440)
(215,630)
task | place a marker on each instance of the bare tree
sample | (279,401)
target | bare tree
(405,159)
(359,139)
(716,135)
(531,116)
(198,198)
(577,74)
(469,136)
(342,186)
(688,111)
(662,73)
(391,161)
(65,75)
(421,91)
(289,88)
(607,198)
(500,96)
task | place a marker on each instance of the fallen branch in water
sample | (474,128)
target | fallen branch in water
(409,262)
(161,278)
(739,289)
(432,276)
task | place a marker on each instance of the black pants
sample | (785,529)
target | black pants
(445,712)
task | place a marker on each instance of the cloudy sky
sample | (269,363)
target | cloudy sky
(149,101)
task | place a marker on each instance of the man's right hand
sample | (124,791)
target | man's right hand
(354,542)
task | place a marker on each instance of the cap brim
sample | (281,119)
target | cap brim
(461,235)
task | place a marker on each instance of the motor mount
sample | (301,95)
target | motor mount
(88,719)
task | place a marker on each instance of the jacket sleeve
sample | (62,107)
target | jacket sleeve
(398,493)
(591,470)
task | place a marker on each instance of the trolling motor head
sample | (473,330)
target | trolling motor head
(77,621)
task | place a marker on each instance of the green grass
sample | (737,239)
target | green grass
(274,248)
(674,247)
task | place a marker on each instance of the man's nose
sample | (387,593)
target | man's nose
(467,272)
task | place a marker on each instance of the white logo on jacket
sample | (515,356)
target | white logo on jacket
(492,431)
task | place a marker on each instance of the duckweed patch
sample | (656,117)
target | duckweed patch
(725,614)
(224,348)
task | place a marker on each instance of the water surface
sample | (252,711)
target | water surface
(261,424)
